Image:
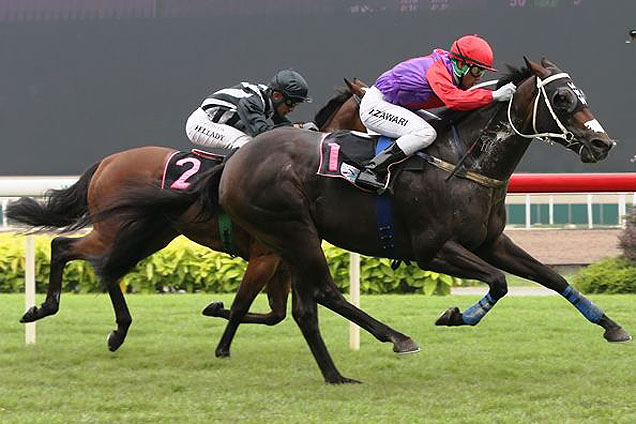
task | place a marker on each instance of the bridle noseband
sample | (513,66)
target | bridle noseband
(566,135)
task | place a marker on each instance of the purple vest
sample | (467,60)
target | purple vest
(405,84)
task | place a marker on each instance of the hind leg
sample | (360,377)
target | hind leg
(260,271)
(130,246)
(331,298)
(300,250)
(309,270)
(122,316)
(63,250)
(312,283)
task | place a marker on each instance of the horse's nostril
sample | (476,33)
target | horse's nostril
(597,143)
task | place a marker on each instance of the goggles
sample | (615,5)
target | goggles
(477,71)
(463,68)
(287,101)
(290,103)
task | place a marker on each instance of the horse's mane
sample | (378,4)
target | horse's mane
(514,75)
(343,94)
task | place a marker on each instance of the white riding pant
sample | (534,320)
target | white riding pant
(411,131)
(201,130)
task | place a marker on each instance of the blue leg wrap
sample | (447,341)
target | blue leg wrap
(580,302)
(475,313)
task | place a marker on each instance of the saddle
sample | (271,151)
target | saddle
(344,153)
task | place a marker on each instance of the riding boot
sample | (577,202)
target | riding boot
(373,176)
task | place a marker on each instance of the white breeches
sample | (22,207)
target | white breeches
(411,131)
(201,130)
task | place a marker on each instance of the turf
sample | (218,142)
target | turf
(532,359)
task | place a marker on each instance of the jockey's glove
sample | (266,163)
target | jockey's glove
(307,126)
(504,93)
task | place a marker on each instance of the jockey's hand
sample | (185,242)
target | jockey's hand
(306,126)
(505,93)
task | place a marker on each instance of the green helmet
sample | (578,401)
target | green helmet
(291,85)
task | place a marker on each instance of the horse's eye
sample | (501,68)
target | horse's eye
(564,100)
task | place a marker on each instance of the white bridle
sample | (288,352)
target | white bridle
(545,136)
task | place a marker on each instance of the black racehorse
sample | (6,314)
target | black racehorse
(449,225)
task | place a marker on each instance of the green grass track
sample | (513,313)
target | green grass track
(532,359)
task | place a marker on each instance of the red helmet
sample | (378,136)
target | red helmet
(474,50)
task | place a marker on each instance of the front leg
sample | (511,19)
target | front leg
(506,255)
(260,271)
(454,259)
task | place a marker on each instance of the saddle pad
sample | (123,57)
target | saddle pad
(182,167)
(180,171)
(342,154)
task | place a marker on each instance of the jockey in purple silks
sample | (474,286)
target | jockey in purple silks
(439,79)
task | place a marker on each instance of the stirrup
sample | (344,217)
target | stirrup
(370,180)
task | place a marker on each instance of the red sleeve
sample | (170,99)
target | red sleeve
(455,98)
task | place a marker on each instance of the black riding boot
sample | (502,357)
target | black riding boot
(369,177)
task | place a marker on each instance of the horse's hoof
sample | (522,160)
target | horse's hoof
(212,309)
(342,380)
(113,341)
(617,335)
(406,347)
(452,317)
(222,353)
(30,315)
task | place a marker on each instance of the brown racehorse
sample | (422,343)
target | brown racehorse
(452,226)
(72,208)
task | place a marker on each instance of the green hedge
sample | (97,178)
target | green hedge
(185,266)
(612,275)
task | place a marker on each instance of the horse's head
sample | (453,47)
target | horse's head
(357,87)
(341,112)
(556,110)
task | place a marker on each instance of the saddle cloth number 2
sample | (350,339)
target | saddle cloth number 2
(182,183)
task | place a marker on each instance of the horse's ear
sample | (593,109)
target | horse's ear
(536,68)
(528,62)
(360,83)
(349,85)
(547,64)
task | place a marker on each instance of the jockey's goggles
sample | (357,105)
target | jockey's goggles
(289,102)
(477,71)
(463,68)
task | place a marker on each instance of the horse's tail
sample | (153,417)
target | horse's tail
(65,209)
(149,206)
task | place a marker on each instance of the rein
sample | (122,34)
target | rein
(469,175)
(545,136)
(566,135)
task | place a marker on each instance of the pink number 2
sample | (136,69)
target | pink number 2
(181,183)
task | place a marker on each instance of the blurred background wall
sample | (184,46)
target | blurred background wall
(82,79)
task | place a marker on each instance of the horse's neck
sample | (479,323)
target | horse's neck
(500,150)
(346,117)
(497,152)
